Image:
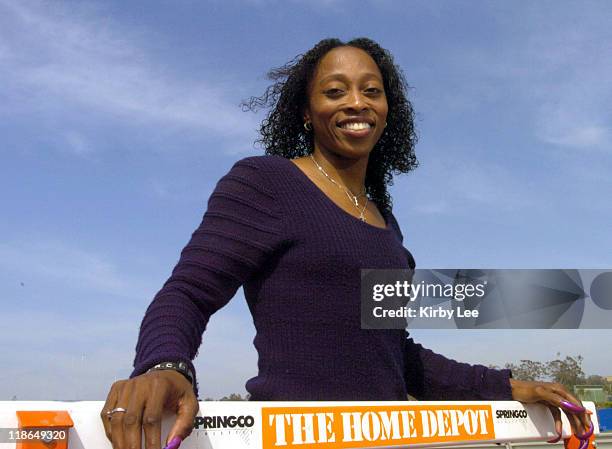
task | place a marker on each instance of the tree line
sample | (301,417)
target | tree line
(566,371)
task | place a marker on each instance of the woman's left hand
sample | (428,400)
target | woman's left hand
(556,397)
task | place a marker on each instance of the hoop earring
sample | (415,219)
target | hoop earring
(308,126)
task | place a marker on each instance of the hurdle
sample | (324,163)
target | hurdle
(298,425)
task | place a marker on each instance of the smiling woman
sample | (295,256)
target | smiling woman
(347,107)
(294,227)
(297,88)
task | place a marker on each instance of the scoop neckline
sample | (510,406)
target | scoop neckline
(320,193)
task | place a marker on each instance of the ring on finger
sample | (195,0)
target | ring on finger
(109,413)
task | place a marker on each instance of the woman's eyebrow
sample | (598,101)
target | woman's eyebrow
(343,77)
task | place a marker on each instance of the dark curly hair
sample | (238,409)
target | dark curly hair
(283,134)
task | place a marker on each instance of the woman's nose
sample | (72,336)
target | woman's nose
(356,100)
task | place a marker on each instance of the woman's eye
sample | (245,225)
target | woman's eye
(333,92)
(373,90)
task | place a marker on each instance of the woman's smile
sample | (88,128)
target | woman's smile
(356,127)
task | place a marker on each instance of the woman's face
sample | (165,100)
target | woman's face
(347,104)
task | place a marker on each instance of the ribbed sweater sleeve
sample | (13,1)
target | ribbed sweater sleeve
(240,229)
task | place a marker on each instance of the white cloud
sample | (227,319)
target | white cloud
(547,69)
(72,62)
(570,130)
(565,54)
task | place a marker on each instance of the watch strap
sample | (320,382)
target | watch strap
(181,367)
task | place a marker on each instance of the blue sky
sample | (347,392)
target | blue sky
(118,118)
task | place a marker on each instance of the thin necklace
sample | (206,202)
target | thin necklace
(354,199)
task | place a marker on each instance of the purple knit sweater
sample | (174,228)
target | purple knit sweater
(298,255)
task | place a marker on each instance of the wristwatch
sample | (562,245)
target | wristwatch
(181,367)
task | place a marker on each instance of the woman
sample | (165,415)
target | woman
(294,228)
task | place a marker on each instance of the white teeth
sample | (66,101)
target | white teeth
(356,126)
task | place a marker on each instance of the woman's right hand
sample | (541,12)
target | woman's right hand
(145,398)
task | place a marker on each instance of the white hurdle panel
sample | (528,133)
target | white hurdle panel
(296,425)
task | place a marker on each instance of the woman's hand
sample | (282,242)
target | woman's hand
(144,399)
(556,397)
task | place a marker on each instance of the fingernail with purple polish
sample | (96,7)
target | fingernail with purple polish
(572,408)
(174,443)
(583,444)
(587,434)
